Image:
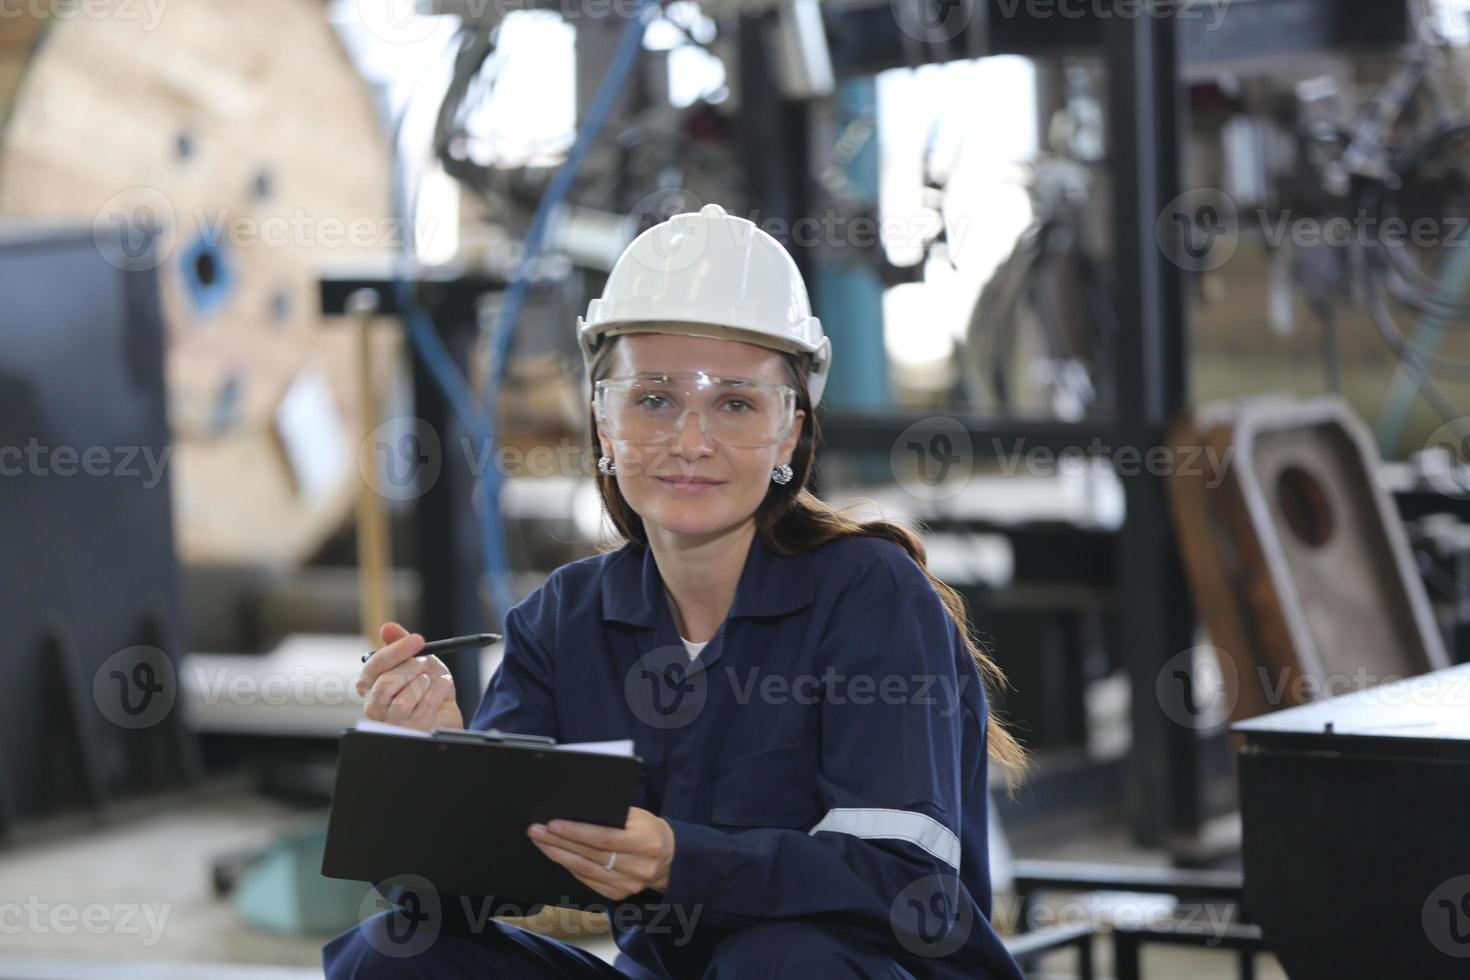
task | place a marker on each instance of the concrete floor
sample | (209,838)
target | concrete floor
(135,898)
(159,865)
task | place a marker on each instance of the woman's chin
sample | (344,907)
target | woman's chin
(693,516)
(676,521)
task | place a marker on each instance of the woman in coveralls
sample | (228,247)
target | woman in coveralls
(806,699)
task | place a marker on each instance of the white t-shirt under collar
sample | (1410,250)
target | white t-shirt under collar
(693,647)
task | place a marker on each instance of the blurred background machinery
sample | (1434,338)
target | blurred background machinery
(192,130)
(90,568)
(1153,325)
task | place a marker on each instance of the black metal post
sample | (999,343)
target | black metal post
(774,133)
(1163,783)
(1127,955)
(449,558)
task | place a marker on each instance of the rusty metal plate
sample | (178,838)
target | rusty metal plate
(1299,563)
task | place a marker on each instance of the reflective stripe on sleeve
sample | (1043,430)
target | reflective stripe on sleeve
(919,829)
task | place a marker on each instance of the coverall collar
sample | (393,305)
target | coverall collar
(770,585)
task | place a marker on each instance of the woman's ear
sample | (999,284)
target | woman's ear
(788,445)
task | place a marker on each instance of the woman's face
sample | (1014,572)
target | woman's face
(741,477)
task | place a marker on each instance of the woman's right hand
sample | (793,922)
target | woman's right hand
(401,689)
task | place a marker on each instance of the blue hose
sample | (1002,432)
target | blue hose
(561,184)
(476,415)
(1426,338)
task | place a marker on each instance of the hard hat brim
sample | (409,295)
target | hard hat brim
(590,338)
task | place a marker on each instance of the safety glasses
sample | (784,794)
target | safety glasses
(649,409)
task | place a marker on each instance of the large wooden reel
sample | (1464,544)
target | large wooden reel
(244,132)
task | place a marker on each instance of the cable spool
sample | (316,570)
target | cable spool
(238,140)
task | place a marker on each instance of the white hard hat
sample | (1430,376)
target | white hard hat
(709,274)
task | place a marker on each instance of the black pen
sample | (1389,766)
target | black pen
(450,645)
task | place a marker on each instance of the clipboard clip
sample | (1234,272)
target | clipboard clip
(495,736)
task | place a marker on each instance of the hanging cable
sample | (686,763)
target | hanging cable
(1407,283)
(561,184)
(1419,360)
(474,414)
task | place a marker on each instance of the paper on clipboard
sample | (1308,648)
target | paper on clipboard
(383,728)
(622,746)
(618,747)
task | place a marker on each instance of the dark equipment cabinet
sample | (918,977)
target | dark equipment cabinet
(1357,860)
(89,580)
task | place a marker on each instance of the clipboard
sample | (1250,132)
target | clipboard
(453,808)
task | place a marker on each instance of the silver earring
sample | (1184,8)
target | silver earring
(782,473)
(605,464)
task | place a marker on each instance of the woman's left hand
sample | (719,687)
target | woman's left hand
(645,849)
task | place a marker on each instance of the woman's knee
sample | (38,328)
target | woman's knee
(388,944)
(395,944)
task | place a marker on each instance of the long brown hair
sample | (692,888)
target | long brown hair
(792,519)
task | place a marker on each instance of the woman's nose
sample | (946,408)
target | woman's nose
(693,436)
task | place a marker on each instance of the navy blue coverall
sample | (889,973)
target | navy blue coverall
(822,764)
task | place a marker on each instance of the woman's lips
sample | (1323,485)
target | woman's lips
(695,486)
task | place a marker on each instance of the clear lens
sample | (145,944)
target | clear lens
(651,409)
